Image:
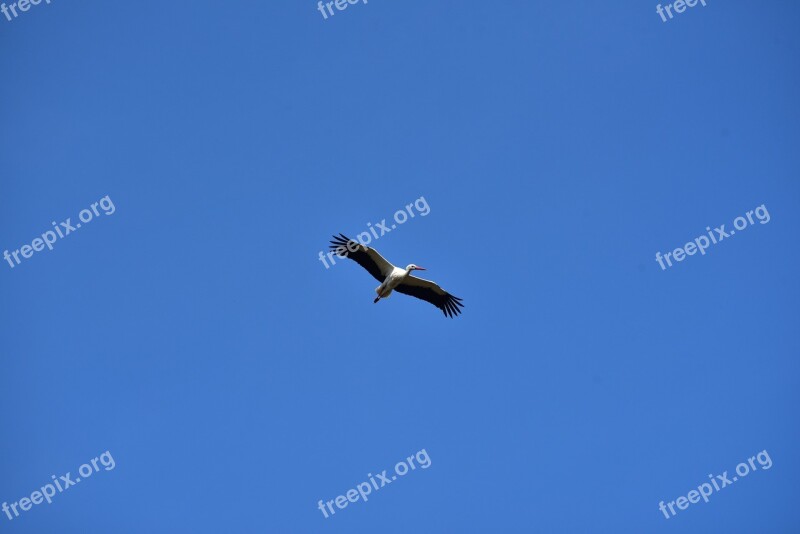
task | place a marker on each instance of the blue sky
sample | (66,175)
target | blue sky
(195,335)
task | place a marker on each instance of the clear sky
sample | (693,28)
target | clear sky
(194,334)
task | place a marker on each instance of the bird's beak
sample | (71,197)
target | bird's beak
(421,269)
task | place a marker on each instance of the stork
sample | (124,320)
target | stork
(395,278)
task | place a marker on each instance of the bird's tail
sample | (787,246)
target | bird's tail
(376,300)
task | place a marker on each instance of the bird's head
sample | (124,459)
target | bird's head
(412,267)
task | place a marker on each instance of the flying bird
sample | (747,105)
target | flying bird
(394,278)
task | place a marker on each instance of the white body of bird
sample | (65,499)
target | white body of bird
(395,278)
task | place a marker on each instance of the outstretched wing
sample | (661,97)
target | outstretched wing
(366,257)
(431,292)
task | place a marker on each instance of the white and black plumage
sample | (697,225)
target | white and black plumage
(394,278)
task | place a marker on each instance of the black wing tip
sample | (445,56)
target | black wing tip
(339,244)
(451,306)
(342,240)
